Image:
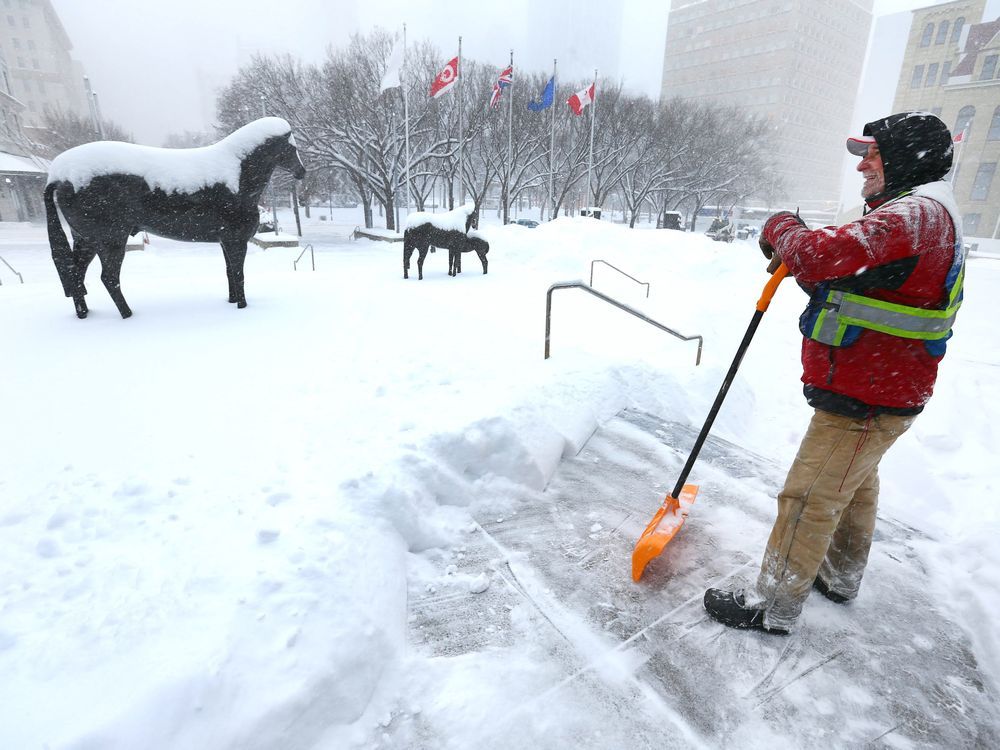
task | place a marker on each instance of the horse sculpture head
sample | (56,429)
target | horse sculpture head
(275,148)
(288,156)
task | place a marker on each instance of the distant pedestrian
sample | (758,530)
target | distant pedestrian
(883,294)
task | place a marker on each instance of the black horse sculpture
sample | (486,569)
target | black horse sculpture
(107,191)
(427,231)
(473,243)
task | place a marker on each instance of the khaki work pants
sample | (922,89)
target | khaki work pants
(826,513)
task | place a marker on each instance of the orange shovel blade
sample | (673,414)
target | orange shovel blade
(665,524)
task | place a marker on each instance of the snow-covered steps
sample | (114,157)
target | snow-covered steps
(548,583)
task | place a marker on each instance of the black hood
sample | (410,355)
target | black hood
(916,148)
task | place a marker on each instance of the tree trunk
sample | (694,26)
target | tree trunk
(390,213)
(295,206)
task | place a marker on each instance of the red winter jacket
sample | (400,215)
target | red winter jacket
(900,252)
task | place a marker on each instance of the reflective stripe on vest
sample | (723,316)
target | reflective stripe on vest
(843,309)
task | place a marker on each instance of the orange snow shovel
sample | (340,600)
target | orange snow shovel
(669,518)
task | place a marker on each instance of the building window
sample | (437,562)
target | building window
(925,40)
(970,224)
(11,21)
(932,70)
(34,63)
(945,72)
(942,34)
(24,22)
(31,44)
(936,111)
(994,134)
(964,121)
(917,77)
(989,68)
(17,43)
(956,30)
(984,178)
(20,62)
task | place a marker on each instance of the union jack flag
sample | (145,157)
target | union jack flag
(505,79)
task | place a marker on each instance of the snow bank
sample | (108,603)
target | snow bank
(211,538)
(181,170)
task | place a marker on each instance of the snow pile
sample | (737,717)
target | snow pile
(180,170)
(212,520)
(450,220)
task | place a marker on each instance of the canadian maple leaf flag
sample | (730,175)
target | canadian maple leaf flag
(959,137)
(581,99)
(445,79)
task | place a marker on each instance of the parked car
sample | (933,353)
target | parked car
(529,223)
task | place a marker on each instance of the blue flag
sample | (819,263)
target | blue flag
(547,97)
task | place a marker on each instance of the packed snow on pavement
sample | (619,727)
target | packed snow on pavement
(210,518)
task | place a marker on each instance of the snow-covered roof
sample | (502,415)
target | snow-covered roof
(18,164)
(454,219)
(173,170)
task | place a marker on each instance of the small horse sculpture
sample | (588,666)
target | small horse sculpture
(473,243)
(107,191)
(450,231)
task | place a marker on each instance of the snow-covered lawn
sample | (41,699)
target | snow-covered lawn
(210,517)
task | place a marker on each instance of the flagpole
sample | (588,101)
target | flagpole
(406,125)
(510,121)
(461,128)
(593,117)
(552,144)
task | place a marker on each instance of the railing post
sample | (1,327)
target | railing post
(616,303)
(642,283)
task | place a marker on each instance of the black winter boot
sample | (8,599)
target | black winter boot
(729,608)
(833,596)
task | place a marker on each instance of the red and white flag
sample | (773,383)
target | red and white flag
(959,137)
(445,79)
(581,99)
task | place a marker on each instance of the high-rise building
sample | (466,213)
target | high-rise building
(42,73)
(952,68)
(36,74)
(22,174)
(795,62)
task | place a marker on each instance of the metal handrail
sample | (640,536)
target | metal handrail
(312,256)
(12,270)
(616,303)
(643,283)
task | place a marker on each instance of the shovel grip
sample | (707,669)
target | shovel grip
(771,287)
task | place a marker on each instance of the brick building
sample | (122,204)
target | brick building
(952,68)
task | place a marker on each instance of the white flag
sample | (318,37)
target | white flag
(391,78)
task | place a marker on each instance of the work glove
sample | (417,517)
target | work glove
(766,247)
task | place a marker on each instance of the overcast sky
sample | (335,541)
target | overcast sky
(156,64)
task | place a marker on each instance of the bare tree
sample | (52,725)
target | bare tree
(62,129)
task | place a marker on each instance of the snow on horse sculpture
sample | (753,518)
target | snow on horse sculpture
(107,191)
(450,231)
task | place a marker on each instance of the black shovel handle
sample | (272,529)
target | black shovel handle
(762,305)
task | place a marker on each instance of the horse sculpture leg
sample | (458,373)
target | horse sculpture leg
(407,252)
(420,262)
(482,257)
(112,254)
(236,253)
(83,254)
